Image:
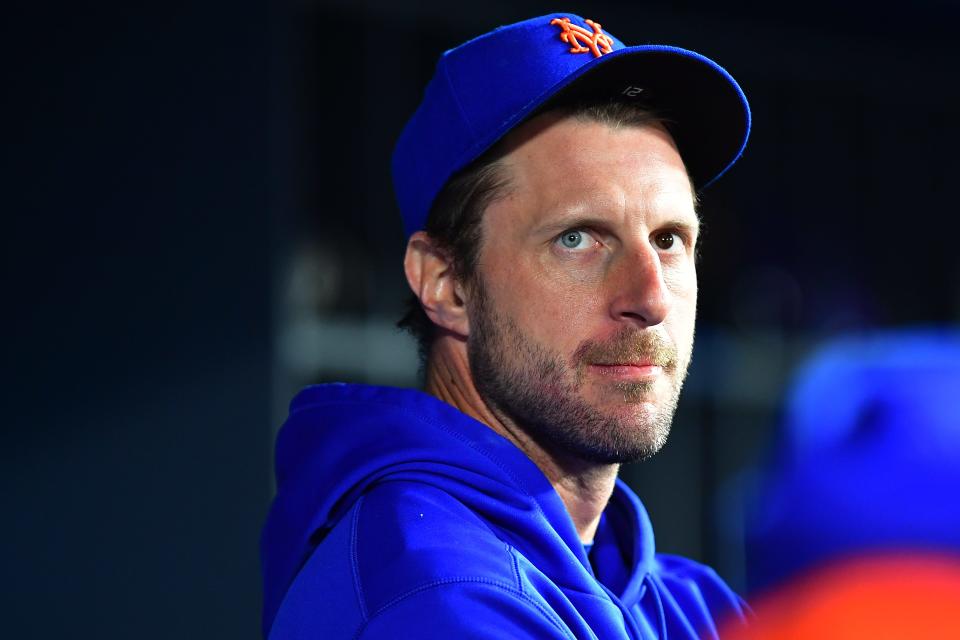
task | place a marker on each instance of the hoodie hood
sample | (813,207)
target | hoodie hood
(340,440)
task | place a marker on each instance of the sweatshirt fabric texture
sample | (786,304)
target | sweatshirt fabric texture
(398,516)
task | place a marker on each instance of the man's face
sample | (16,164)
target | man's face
(583,303)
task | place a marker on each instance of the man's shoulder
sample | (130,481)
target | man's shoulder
(408,534)
(700,592)
(676,567)
(401,542)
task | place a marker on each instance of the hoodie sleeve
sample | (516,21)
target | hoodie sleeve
(471,610)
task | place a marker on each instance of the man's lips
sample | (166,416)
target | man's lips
(628,370)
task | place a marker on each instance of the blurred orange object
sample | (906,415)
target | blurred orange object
(904,596)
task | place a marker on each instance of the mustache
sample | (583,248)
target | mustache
(629,345)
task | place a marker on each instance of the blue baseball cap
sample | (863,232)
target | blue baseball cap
(487,86)
(867,458)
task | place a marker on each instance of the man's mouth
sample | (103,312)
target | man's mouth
(632,371)
(628,357)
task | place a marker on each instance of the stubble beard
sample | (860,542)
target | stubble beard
(541,394)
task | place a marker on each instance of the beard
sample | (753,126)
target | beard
(542,394)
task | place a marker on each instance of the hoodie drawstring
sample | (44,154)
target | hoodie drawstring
(661,616)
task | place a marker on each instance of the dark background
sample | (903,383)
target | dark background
(199,220)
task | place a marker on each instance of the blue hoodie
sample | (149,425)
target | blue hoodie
(398,516)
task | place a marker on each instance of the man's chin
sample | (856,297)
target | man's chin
(634,450)
(621,397)
(635,424)
(620,433)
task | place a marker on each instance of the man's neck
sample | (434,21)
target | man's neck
(584,487)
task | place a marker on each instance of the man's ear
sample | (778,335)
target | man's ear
(431,276)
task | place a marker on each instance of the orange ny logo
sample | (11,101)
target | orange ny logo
(581,40)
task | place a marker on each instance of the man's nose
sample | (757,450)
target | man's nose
(639,293)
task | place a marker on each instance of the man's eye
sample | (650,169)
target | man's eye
(667,240)
(577,239)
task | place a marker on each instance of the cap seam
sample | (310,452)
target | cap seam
(460,110)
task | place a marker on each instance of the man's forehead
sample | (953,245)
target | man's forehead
(569,155)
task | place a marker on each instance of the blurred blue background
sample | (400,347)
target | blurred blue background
(199,220)
(865,461)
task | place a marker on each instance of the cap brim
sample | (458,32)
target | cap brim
(703,107)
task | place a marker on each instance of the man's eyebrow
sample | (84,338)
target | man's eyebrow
(692,224)
(570,219)
(574,219)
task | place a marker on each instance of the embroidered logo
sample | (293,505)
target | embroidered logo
(581,40)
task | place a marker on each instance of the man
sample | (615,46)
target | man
(547,184)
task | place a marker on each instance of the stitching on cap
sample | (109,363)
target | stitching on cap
(456,101)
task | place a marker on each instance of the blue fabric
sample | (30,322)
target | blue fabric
(487,86)
(396,515)
(867,459)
